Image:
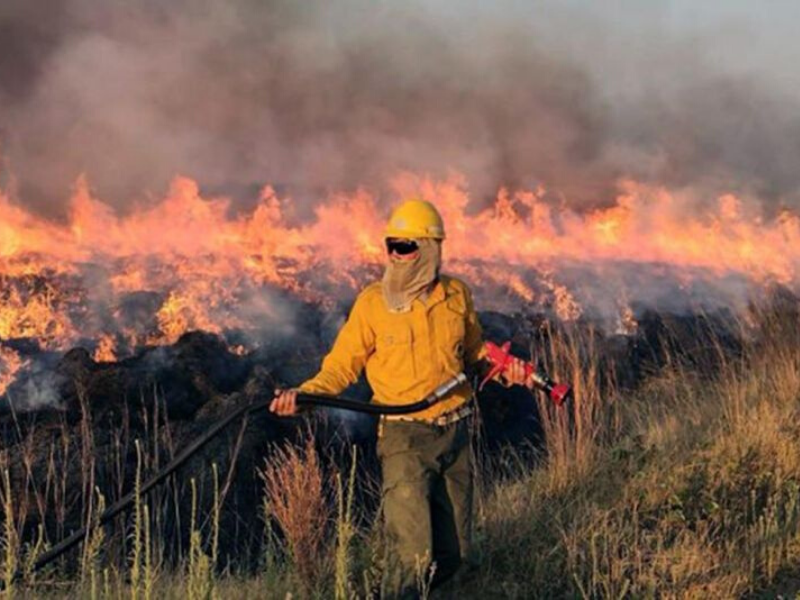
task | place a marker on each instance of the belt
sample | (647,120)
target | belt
(454,416)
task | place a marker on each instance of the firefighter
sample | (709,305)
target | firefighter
(412,331)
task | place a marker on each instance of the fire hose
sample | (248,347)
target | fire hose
(499,358)
(303,399)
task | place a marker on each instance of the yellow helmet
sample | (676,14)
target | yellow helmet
(415,218)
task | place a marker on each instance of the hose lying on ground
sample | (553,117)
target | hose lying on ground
(303,399)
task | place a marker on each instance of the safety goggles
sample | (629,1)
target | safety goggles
(401,247)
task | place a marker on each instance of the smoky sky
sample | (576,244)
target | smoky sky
(317,96)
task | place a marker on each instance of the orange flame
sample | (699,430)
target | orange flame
(106,349)
(10,364)
(200,263)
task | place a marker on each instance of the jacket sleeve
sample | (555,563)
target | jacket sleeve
(344,363)
(473,335)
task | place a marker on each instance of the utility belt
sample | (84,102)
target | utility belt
(445,420)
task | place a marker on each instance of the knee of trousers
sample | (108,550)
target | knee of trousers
(406,512)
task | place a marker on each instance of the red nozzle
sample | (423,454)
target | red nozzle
(559,393)
(500,357)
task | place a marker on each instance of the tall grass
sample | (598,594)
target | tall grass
(137,555)
(92,548)
(345,531)
(200,571)
(690,491)
(686,487)
(295,486)
(573,431)
(9,542)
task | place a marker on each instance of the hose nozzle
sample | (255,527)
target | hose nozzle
(500,357)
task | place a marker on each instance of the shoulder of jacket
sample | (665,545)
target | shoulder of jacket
(370,293)
(455,285)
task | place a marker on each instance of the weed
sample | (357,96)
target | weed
(295,487)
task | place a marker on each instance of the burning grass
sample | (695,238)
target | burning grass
(686,487)
(116,283)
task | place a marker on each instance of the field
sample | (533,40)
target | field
(685,486)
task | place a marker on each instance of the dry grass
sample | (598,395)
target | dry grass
(295,487)
(687,488)
(691,492)
(573,431)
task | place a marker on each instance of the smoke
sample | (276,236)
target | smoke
(315,96)
(38,388)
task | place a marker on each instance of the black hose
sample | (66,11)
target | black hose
(303,399)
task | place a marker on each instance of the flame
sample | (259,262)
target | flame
(566,307)
(626,323)
(10,364)
(106,349)
(32,309)
(194,263)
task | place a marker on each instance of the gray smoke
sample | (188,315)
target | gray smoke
(317,96)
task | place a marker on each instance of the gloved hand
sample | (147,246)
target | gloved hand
(515,374)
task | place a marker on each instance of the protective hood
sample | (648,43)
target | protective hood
(406,280)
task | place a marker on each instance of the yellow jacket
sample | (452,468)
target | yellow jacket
(406,355)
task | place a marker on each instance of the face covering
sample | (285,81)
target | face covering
(406,280)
